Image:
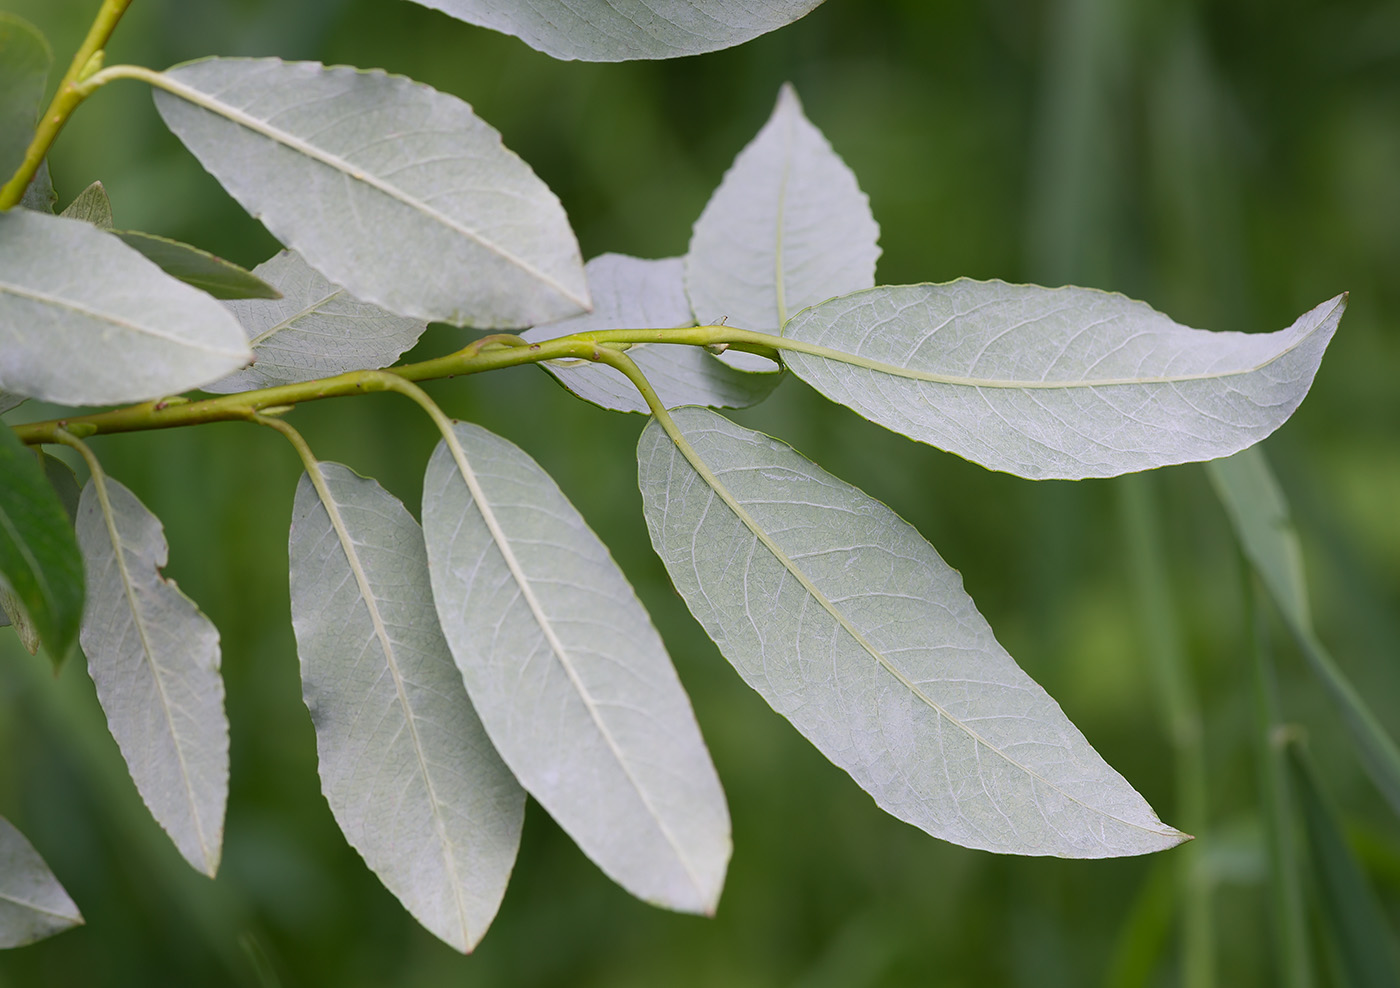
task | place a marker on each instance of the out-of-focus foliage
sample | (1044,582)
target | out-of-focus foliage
(1230,163)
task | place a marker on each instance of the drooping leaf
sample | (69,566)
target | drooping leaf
(407,768)
(1054,383)
(850,625)
(621,30)
(1347,909)
(629,293)
(787,228)
(154,659)
(92,205)
(24,70)
(65,484)
(396,191)
(39,561)
(39,195)
(221,279)
(32,903)
(567,673)
(1259,514)
(9,401)
(85,320)
(315,329)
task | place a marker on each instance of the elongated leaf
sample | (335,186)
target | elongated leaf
(315,329)
(1063,382)
(850,625)
(12,611)
(1347,908)
(24,70)
(221,279)
(32,903)
(9,401)
(629,293)
(154,659)
(787,228)
(92,205)
(405,764)
(1259,514)
(621,30)
(85,320)
(569,676)
(396,191)
(39,561)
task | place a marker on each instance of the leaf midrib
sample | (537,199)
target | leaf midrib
(129,590)
(856,360)
(83,310)
(706,474)
(561,653)
(381,632)
(294,143)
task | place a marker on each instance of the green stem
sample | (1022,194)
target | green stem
(308,458)
(1286,910)
(1183,717)
(489,353)
(72,90)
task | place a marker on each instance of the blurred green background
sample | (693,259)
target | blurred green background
(1233,163)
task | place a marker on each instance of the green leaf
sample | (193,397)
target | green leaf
(632,293)
(850,625)
(396,191)
(1063,382)
(1347,908)
(316,329)
(213,275)
(154,659)
(39,560)
(65,484)
(12,612)
(9,401)
(567,673)
(92,205)
(407,768)
(24,71)
(221,279)
(621,30)
(123,331)
(39,195)
(32,903)
(1259,514)
(787,228)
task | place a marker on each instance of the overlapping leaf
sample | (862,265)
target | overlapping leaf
(92,205)
(195,266)
(405,764)
(850,625)
(24,69)
(41,571)
(787,228)
(154,659)
(568,675)
(620,30)
(1259,513)
(39,196)
(315,329)
(396,191)
(214,275)
(85,320)
(32,903)
(629,293)
(1064,382)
